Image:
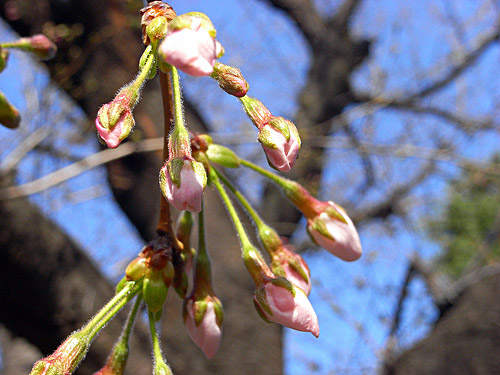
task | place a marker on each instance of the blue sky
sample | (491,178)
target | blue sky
(353,300)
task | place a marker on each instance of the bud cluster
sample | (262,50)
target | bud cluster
(188,43)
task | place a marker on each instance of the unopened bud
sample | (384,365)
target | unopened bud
(223,156)
(9,115)
(155,9)
(154,290)
(257,111)
(65,359)
(230,79)
(38,44)
(157,28)
(136,269)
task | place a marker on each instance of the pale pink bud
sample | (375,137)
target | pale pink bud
(42,46)
(278,301)
(333,230)
(293,267)
(281,143)
(182,183)
(190,45)
(114,123)
(204,325)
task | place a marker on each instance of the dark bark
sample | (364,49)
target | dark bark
(49,287)
(465,340)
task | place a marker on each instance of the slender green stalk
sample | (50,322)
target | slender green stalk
(110,310)
(141,77)
(160,366)
(202,269)
(104,314)
(131,318)
(179,119)
(242,235)
(282,182)
(270,239)
(252,257)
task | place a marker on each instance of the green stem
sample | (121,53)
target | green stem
(294,191)
(255,216)
(158,357)
(131,318)
(141,77)
(179,139)
(282,182)
(252,258)
(202,270)
(95,325)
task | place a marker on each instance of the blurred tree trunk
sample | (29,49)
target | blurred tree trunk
(465,340)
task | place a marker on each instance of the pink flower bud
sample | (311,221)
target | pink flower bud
(114,123)
(182,183)
(230,79)
(41,46)
(333,230)
(281,143)
(190,44)
(203,320)
(291,266)
(278,301)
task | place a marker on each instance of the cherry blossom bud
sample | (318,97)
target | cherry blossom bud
(114,123)
(223,156)
(182,183)
(38,44)
(203,320)
(281,143)
(258,112)
(291,266)
(333,230)
(190,44)
(153,10)
(154,290)
(230,79)
(278,301)
(65,359)
(9,115)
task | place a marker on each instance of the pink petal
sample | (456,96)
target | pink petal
(207,335)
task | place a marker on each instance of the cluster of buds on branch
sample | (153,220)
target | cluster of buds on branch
(40,46)
(188,43)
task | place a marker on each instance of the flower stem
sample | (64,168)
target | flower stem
(252,258)
(110,310)
(157,355)
(179,138)
(270,239)
(202,270)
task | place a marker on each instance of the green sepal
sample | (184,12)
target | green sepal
(261,297)
(199,310)
(335,214)
(297,267)
(157,28)
(174,168)
(223,156)
(136,269)
(219,312)
(146,55)
(199,169)
(265,137)
(281,125)
(320,226)
(260,311)
(284,283)
(154,290)
(293,130)
(121,284)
